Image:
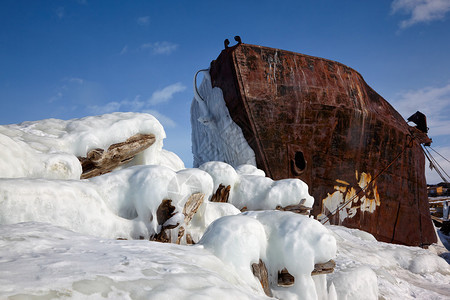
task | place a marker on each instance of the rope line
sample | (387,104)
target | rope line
(439,154)
(435,165)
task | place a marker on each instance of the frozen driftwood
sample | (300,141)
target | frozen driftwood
(222,194)
(260,272)
(166,211)
(297,208)
(189,210)
(285,279)
(324,268)
(99,161)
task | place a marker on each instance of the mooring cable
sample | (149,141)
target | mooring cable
(435,165)
(439,154)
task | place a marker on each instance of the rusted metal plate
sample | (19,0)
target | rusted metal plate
(315,119)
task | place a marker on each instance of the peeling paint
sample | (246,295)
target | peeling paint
(363,196)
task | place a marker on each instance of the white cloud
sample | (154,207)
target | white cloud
(75,80)
(163,119)
(159,47)
(125,105)
(434,102)
(105,109)
(60,12)
(137,104)
(124,50)
(55,97)
(420,11)
(143,20)
(67,84)
(166,93)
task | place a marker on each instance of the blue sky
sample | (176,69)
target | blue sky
(73,58)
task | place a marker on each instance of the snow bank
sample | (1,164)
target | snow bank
(215,136)
(118,204)
(49,148)
(42,261)
(368,269)
(281,240)
(239,241)
(250,189)
(124,203)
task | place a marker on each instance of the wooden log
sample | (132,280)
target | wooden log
(260,272)
(285,278)
(222,194)
(180,235)
(164,212)
(189,240)
(191,206)
(325,268)
(296,208)
(99,161)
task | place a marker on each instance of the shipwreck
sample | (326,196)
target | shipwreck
(318,120)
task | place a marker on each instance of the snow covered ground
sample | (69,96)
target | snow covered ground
(58,234)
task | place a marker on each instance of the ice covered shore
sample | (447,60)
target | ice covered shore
(58,233)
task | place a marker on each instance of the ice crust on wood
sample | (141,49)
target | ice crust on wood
(49,148)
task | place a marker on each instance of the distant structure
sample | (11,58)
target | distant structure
(315,119)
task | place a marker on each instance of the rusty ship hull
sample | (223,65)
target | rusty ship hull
(315,119)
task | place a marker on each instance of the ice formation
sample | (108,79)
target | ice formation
(215,136)
(250,189)
(368,269)
(278,239)
(42,198)
(49,148)
(42,261)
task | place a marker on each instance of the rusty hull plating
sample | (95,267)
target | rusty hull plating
(316,119)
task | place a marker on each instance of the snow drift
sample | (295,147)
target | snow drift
(58,233)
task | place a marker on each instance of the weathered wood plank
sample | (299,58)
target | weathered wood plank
(222,194)
(296,208)
(260,272)
(324,268)
(164,212)
(99,161)
(285,278)
(191,206)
